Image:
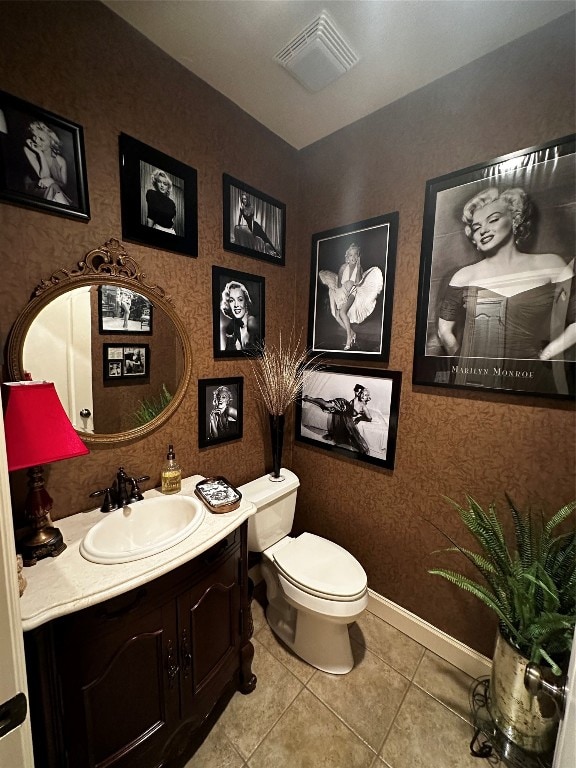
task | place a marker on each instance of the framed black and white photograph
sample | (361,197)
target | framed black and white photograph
(125,362)
(42,160)
(237,313)
(159,198)
(496,304)
(351,412)
(220,410)
(123,311)
(352,289)
(254,223)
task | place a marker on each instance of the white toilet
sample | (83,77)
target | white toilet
(314,587)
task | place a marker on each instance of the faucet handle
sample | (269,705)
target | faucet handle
(135,493)
(109,504)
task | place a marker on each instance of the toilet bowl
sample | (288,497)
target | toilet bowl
(314,587)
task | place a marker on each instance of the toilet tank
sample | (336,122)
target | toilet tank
(275,504)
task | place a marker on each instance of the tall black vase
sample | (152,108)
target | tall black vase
(277,435)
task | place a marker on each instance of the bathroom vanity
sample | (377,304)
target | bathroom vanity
(130,664)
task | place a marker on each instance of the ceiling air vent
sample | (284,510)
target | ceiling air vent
(318,55)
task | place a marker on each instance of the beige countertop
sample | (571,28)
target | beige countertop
(67,583)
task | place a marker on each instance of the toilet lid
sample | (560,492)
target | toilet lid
(321,567)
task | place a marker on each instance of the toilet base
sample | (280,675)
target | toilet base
(323,644)
(315,629)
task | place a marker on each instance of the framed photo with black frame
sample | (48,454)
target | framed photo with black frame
(496,304)
(220,410)
(352,289)
(352,412)
(42,160)
(159,198)
(123,311)
(254,223)
(126,362)
(238,313)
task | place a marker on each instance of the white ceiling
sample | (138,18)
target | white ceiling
(402,44)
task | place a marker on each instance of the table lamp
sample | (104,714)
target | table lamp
(38,431)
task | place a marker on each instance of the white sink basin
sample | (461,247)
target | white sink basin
(142,529)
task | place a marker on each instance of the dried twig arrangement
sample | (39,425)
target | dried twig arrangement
(279,373)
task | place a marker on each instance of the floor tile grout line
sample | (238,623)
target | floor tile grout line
(435,697)
(410,684)
(377,758)
(269,731)
(263,647)
(364,645)
(420,660)
(388,662)
(409,680)
(236,750)
(348,726)
(277,658)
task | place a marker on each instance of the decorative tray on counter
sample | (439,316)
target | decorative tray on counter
(218,495)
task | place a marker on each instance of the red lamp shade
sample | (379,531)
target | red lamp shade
(38,431)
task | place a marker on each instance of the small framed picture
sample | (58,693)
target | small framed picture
(497,276)
(220,410)
(42,160)
(352,288)
(237,313)
(351,412)
(123,362)
(159,198)
(123,311)
(254,223)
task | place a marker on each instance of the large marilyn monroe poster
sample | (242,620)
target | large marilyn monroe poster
(496,302)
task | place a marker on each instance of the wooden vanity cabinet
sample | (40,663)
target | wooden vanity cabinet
(136,681)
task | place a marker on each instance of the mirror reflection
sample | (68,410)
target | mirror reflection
(78,338)
(112,343)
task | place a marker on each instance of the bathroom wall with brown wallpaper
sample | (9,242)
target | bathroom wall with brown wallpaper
(449,442)
(82,62)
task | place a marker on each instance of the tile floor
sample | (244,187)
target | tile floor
(400,707)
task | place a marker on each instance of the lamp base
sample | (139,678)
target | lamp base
(46,542)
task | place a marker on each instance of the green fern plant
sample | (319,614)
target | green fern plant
(531,586)
(148,409)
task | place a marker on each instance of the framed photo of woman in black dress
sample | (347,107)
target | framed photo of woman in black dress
(496,300)
(352,412)
(254,223)
(42,160)
(237,313)
(159,198)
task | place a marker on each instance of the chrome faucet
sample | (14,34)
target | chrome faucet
(125,490)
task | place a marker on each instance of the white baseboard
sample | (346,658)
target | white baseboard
(453,651)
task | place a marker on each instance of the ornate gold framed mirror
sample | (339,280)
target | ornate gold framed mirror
(113,345)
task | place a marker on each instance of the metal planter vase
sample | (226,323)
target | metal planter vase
(530,722)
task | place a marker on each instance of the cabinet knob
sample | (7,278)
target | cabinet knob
(171,667)
(186,654)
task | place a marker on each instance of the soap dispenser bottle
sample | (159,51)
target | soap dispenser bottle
(171,473)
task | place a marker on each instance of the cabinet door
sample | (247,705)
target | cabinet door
(120,687)
(209,626)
